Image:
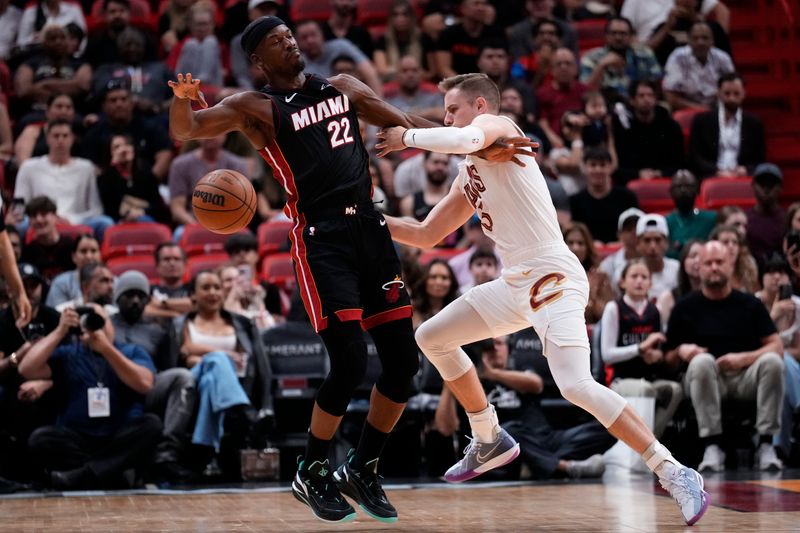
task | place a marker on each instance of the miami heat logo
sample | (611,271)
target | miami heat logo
(555,279)
(392,289)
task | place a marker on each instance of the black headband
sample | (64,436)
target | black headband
(256,30)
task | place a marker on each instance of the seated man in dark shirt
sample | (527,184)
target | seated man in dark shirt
(170,296)
(173,394)
(101,429)
(728,344)
(24,405)
(49,251)
(601,203)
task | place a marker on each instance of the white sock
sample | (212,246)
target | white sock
(484,424)
(657,457)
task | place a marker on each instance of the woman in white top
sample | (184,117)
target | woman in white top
(227,359)
(784,309)
(630,342)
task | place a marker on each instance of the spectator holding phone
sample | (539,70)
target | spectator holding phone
(243,297)
(631,343)
(784,309)
(242,248)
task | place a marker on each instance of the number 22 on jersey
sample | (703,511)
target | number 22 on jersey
(340,132)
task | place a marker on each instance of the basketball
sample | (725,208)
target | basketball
(224,201)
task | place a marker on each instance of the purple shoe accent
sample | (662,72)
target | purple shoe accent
(703,509)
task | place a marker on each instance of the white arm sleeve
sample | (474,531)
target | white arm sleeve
(446,140)
(609,331)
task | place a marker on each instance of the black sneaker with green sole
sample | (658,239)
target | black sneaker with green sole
(314,486)
(363,485)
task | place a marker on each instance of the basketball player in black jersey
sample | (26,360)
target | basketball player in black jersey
(306,128)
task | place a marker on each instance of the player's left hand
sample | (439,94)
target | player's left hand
(391,140)
(507,149)
(22,309)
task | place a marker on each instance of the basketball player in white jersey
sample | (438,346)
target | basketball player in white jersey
(542,285)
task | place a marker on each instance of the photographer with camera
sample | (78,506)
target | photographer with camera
(97,286)
(101,429)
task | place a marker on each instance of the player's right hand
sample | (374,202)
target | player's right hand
(186,87)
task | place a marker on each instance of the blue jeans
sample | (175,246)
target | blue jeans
(218,389)
(791,403)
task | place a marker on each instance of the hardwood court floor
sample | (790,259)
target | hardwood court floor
(771,505)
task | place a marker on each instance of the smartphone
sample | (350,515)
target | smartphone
(245,272)
(785,291)
(18,206)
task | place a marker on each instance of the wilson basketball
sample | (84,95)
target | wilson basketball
(224,201)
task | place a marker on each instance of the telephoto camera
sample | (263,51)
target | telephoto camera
(90,319)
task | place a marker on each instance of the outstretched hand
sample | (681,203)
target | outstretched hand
(188,88)
(507,149)
(391,140)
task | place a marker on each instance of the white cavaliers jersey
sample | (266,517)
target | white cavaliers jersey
(513,204)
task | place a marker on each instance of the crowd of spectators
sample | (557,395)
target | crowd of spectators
(178,369)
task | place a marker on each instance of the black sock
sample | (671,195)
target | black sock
(714,439)
(370,446)
(316,450)
(765,439)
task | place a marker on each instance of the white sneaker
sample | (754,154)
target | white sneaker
(686,486)
(766,459)
(713,459)
(594,466)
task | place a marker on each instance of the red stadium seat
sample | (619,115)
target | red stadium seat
(439,253)
(67,230)
(606,249)
(134,238)
(684,117)
(310,9)
(278,269)
(591,33)
(653,195)
(199,263)
(198,240)
(273,235)
(373,12)
(143,263)
(718,192)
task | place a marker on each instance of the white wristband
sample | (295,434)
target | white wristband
(446,140)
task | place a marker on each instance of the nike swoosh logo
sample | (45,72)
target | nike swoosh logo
(482,458)
(526,272)
(324,86)
(382,222)
(290,98)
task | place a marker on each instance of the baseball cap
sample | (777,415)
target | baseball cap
(652,223)
(628,213)
(255,3)
(768,172)
(132,280)
(28,271)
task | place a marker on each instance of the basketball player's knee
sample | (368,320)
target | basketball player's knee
(428,338)
(577,392)
(603,403)
(449,360)
(348,371)
(399,358)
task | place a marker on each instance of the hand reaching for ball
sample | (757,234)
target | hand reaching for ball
(188,88)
